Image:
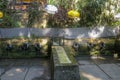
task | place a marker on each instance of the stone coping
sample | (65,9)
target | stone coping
(64,59)
(62,56)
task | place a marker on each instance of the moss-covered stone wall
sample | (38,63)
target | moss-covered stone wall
(67,70)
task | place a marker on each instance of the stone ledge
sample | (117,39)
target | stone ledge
(64,71)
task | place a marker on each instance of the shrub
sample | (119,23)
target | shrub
(16,52)
(117,46)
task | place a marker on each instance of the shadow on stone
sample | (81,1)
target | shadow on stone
(41,78)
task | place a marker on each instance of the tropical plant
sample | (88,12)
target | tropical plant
(33,13)
(9,15)
(60,19)
(3,5)
(99,12)
(92,13)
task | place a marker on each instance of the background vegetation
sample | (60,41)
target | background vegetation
(17,52)
(92,13)
(109,49)
(8,19)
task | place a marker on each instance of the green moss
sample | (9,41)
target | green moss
(69,55)
(17,53)
(63,58)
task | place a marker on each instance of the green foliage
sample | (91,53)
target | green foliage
(8,21)
(33,14)
(61,19)
(3,5)
(95,49)
(16,52)
(118,10)
(98,12)
(70,50)
(68,53)
(92,13)
(83,49)
(117,45)
(116,23)
(52,2)
(9,15)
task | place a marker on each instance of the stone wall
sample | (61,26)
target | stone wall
(69,33)
(64,71)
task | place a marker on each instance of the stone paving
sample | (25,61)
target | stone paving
(34,69)
(99,69)
(39,69)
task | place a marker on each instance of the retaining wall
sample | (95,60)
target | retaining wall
(70,33)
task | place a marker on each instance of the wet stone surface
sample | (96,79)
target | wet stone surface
(39,69)
(24,69)
(99,69)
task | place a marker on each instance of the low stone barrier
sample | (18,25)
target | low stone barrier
(64,66)
(68,33)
